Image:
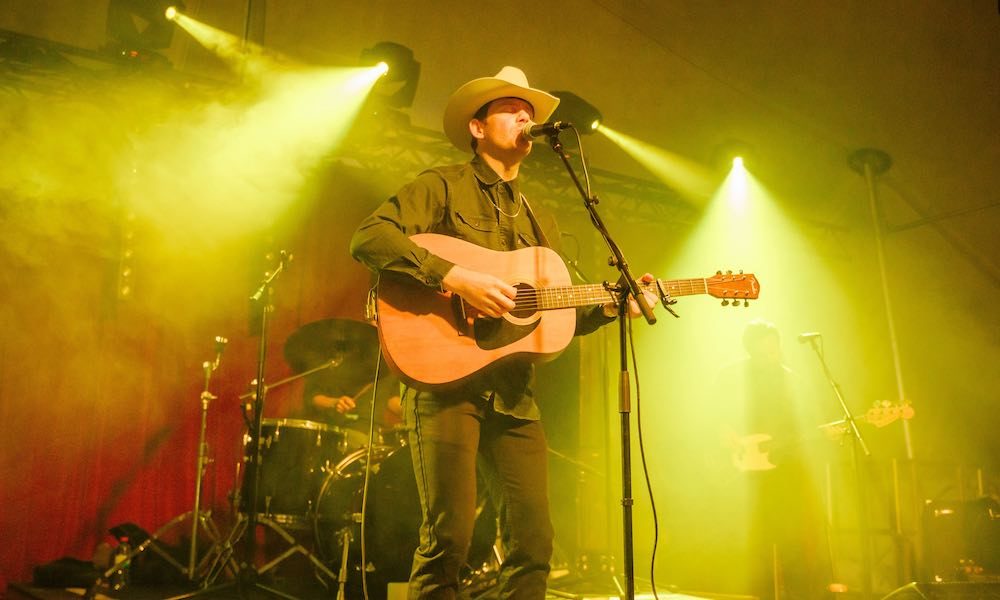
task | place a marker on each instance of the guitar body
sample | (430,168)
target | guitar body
(749,453)
(433,340)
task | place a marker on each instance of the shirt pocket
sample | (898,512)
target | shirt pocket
(478,223)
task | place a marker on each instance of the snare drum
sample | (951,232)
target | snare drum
(295,456)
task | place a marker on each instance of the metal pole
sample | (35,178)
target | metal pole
(870,163)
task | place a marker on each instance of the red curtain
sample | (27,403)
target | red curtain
(99,395)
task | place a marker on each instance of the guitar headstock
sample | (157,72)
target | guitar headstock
(884,413)
(733,287)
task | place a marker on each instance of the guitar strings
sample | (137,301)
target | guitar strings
(568,296)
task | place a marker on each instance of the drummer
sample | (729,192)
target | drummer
(340,394)
(347,404)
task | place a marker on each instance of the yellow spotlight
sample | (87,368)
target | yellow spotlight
(365,77)
(737,187)
(595,124)
(170,13)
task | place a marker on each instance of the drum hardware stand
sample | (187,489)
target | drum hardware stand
(345,540)
(268,387)
(198,517)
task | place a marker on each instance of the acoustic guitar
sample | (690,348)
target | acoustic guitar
(434,339)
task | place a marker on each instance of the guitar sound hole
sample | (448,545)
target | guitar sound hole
(526,300)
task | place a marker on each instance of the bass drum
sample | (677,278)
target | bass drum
(393,521)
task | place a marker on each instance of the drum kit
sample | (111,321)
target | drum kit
(343,494)
(311,480)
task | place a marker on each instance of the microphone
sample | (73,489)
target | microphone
(809,336)
(534,130)
(220,346)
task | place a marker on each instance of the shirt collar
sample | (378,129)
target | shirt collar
(486,175)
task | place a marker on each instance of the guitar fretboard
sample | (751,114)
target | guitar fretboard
(551,298)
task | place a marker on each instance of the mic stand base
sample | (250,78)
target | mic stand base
(248,576)
(152,544)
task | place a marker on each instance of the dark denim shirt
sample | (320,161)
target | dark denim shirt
(470,202)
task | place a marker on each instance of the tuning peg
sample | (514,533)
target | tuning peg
(746,303)
(725,302)
(718,272)
(729,272)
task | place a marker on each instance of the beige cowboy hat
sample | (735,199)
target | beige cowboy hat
(510,82)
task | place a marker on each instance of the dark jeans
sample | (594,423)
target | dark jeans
(447,433)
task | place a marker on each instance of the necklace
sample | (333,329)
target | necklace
(520,203)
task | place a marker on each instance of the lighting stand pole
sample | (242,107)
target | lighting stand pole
(870,163)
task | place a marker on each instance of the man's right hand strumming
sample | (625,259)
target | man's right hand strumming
(487,293)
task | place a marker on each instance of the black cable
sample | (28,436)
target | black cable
(368,470)
(645,467)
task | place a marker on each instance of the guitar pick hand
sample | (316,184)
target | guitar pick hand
(487,293)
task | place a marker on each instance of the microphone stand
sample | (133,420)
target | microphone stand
(263,296)
(247,575)
(858,443)
(202,462)
(626,286)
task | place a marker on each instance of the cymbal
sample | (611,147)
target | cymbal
(348,343)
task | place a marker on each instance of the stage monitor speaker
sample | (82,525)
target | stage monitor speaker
(949,590)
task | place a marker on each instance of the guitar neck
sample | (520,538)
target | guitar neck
(572,296)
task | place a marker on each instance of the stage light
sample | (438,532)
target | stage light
(577,111)
(398,85)
(382,68)
(170,13)
(140,25)
(732,154)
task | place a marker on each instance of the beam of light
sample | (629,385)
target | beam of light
(684,175)
(366,78)
(737,187)
(247,58)
(254,158)
(698,390)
